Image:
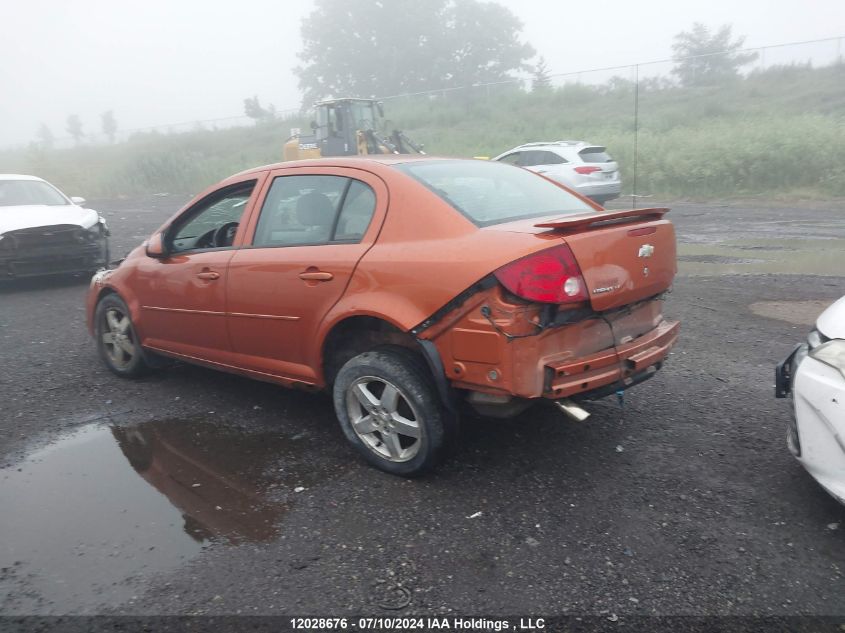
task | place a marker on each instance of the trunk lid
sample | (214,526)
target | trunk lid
(624,256)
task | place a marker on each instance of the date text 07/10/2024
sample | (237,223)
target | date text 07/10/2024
(417,624)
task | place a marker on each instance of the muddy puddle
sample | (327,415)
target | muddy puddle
(757,256)
(85,517)
(795,312)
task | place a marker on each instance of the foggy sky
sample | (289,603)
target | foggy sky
(172,61)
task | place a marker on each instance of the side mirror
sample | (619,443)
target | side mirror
(77,200)
(314,125)
(155,246)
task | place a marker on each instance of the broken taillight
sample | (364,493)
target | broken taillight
(550,276)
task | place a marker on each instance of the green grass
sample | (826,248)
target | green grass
(780,132)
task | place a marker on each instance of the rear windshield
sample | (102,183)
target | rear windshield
(595,155)
(490,192)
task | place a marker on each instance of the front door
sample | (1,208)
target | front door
(314,226)
(183,295)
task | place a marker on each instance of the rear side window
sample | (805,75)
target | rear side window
(316,209)
(532,158)
(356,214)
(550,158)
(489,192)
(595,155)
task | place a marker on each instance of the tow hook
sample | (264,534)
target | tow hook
(572,410)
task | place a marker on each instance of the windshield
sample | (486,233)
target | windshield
(24,192)
(489,192)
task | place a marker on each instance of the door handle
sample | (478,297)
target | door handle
(209,275)
(316,276)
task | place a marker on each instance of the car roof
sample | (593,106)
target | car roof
(567,149)
(19,177)
(351,161)
(554,143)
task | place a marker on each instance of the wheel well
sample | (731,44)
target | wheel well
(357,335)
(104,292)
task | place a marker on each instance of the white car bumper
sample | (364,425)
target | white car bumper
(611,188)
(819,409)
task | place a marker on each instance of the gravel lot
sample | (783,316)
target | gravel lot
(685,501)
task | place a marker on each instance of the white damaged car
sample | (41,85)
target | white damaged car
(814,374)
(44,232)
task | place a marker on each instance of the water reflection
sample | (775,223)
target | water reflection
(85,517)
(218,482)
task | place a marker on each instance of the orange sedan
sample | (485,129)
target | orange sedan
(407,287)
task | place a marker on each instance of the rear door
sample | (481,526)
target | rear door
(314,226)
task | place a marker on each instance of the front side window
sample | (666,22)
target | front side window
(511,159)
(213,222)
(489,192)
(29,192)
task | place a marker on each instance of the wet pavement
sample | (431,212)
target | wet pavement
(757,237)
(105,505)
(191,491)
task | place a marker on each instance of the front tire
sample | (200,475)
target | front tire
(389,409)
(117,343)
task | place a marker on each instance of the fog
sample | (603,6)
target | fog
(164,62)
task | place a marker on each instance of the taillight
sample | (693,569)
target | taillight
(587,169)
(550,276)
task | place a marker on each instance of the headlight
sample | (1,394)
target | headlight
(97,231)
(816,338)
(831,353)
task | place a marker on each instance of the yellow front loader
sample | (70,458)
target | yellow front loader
(348,127)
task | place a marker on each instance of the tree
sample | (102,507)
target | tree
(109,124)
(704,58)
(74,127)
(541,81)
(45,137)
(254,110)
(368,48)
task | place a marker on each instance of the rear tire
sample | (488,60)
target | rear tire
(117,342)
(390,411)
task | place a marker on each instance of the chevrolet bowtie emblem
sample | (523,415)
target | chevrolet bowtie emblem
(646,250)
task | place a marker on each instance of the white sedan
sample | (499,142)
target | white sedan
(42,231)
(814,373)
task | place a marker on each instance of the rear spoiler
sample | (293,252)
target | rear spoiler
(570,222)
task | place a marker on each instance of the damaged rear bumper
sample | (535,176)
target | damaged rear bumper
(499,355)
(614,369)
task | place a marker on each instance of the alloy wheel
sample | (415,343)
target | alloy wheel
(118,338)
(384,418)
